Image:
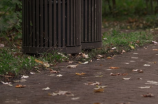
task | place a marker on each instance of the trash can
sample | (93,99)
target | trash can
(91,24)
(50,25)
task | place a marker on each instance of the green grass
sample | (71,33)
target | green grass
(118,39)
(14,64)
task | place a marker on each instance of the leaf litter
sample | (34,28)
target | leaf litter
(92,83)
(152,82)
(72,66)
(66,93)
(20,86)
(7,83)
(45,89)
(148,95)
(145,87)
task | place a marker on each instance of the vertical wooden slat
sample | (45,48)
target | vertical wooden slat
(68,23)
(50,22)
(30,23)
(71,21)
(63,21)
(78,22)
(27,33)
(100,19)
(95,20)
(90,21)
(41,23)
(37,23)
(82,20)
(34,23)
(46,22)
(85,22)
(74,22)
(59,23)
(23,22)
(54,25)
(93,6)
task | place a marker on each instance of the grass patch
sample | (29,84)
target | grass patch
(118,39)
(10,63)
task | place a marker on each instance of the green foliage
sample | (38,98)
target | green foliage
(129,7)
(14,64)
(10,15)
(115,38)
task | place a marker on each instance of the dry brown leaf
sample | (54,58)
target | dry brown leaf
(148,95)
(80,74)
(114,67)
(99,90)
(20,86)
(155,49)
(109,57)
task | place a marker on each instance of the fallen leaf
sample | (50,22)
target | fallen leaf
(67,93)
(54,71)
(71,66)
(154,42)
(109,57)
(127,63)
(123,51)
(146,65)
(20,86)
(24,76)
(85,62)
(140,71)
(7,83)
(47,88)
(155,49)
(32,72)
(131,46)
(75,98)
(98,90)
(126,79)
(148,95)
(80,74)
(152,82)
(1,45)
(113,48)
(59,75)
(100,56)
(43,63)
(145,87)
(21,80)
(85,56)
(92,83)
(114,67)
(135,70)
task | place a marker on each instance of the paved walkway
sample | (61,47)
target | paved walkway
(132,79)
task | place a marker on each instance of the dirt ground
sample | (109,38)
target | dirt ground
(129,78)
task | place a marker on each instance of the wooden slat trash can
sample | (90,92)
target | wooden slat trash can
(50,25)
(91,24)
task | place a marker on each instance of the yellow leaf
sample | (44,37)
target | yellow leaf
(99,90)
(132,47)
(80,74)
(114,67)
(43,63)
